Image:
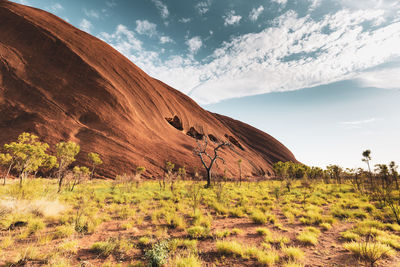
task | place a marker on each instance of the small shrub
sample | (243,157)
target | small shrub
(28,254)
(117,247)
(350,236)
(222,234)
(277,240)
(158,254)
(326,226)
(268,258)
(35,225)
(7,242)
(391,240)
(263,231)
(259,217)
(64,231)
(68,247)
(293,253)
(103,248)
(183,243)
(229,248)
(186,260)
(237,213)
(237,231)
(198,232)
(370,252)
(176,221)
(144,240)
(309,236)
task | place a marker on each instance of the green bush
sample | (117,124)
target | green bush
(158,254)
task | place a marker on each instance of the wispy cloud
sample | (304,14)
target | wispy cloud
(231,18)
(358,122)
(85,25)
(203,7)
(388,78)
(255,13)
(24,2)
(162,8)
(91,13)
(55,8)
(145,27)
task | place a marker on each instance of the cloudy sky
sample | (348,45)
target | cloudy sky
(322,76)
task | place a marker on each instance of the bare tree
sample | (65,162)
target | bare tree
(201,151)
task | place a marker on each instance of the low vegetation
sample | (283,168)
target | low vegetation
(132,221)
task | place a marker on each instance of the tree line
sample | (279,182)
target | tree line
(28,156)
(380,184)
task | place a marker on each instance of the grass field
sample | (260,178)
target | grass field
(111,223)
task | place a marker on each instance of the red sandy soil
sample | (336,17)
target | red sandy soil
(64,84)
(328,251)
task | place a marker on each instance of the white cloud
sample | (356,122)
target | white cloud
(123,40)
(314,4)
(166,39)
(85,25)
(203,7)
(294,53)
(145,27)
(91,13)
(162,8)
(281,2)
(185,20)
(194,44)
(370,4)
(231,18)
(55,8)
(388,78)
(255,13)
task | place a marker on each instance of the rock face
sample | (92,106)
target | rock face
(64,84)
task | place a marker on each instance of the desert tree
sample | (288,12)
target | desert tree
(182,173)
(367,158)
(208,160)
(281,170)
(78,175)
(194,191)
(315,173)
(94,160)
(50,162)
(66,153)
(27,154)
(169,175)
(383,173)
(8,161)
(393,172)
(335,172)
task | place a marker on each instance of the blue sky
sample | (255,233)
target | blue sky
(322,76)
